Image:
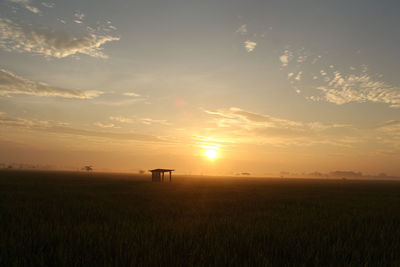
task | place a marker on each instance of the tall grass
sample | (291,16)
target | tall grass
(75,219)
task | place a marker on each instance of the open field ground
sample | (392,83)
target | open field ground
(89,219)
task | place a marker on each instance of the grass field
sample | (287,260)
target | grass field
(89,219)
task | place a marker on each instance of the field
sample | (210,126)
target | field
(89,219)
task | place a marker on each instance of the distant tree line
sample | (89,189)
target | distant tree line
(333,174)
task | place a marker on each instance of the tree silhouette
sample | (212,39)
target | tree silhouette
(88,168)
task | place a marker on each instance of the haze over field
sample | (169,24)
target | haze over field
(213,87)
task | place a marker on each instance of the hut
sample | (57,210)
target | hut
(157,175)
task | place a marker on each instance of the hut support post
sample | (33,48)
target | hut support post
(158,175)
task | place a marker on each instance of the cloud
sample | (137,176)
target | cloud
(121,119)
(389,134)
(60,128)
(242,29)
(240,115)
(125,101)
(299,56)
(239,126)
(150,121)
(252,127)
(341,89)
(147,121)
(237,116)
(250,45)
(109,26)
(110,135)
(298,76)
(79,15)
(105,125)
(390,123)
(132,94)
(48,5)
(285,58)
(12,84)
(21,122)
(50,43)
(27,5)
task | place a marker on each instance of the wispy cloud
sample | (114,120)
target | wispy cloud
(61,20)
(48,5)
(21,122)
(79,16)
(389,135)
(132,94)
(389,123)
(341,89)
(242,29)
(105,125)
(134,119)
(285,58)
(27,4)
(50,43)
(250,45)
(60,128)
(325,82)
(12,84)
(239,126)
(150,121)
(237,115)
(110,135)
(252,127)
(121,119)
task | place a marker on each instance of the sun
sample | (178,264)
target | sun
(211,153)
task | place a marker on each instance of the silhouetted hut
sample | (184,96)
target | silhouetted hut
(157,175)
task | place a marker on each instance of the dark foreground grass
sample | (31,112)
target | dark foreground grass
(79,219)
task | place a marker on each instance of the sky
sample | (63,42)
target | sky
(204,87)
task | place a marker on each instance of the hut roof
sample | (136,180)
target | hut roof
(161,170)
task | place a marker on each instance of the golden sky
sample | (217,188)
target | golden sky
(204,87)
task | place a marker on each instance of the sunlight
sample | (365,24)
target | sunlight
(211,153)
(210,147)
